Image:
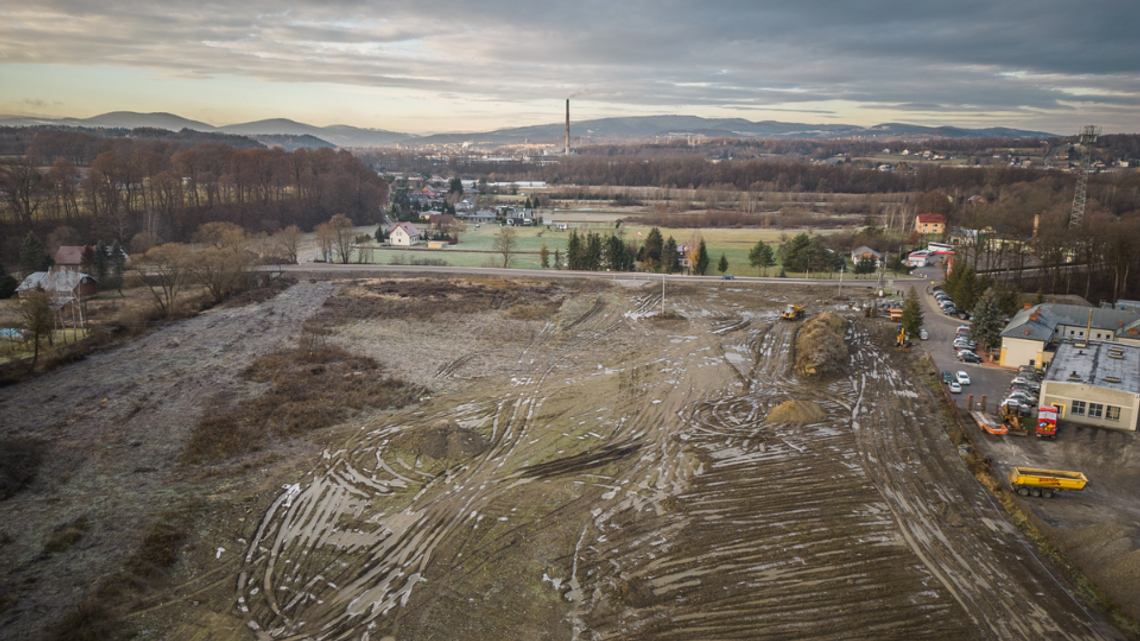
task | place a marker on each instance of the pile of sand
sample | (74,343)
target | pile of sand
(445,440)
(797,412)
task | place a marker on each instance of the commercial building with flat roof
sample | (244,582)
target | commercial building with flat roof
(1095,384)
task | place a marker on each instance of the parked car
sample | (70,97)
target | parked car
(965,342)
(969,357)
(955,388)
(952,311)
(964,315)
(922,335)
(1021,380)
(962,377)
(963,329)
(728,276)
(947,377)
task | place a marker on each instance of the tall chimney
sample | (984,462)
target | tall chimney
(567,126)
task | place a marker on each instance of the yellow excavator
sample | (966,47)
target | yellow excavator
(793,312)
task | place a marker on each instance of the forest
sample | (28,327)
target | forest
(152,186)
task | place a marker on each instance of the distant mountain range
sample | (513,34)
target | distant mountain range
(271,132)
(279,131)
(650,128)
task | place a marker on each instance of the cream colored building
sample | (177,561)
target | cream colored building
(404,234)
(1095,384)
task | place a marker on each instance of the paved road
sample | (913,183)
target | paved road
(353,268)
(988,379)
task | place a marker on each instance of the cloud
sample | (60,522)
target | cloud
(962,56)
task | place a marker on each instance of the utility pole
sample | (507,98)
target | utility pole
(662,293)
(841,269)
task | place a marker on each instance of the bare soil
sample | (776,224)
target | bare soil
(576,471)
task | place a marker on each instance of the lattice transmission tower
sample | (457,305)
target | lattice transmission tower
(1089,135)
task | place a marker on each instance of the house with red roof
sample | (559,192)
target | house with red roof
(930,224)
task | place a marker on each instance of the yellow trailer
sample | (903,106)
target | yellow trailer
(1028,481)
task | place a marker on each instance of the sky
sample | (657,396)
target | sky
(450,65)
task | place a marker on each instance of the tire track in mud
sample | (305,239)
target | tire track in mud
(779,535)
(347,567)
(963,541)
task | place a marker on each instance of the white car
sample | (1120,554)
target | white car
(963,378)
(955,388)
(922,334)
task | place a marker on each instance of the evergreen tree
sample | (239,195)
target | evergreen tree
(33,256)
(762,257)
(865,266)
(574,251)
(702,259)
(669,256)
(722,267)
(964,286)
(8,284)
(614,254)
(101,262)
(654,244)
(557,259)
(985,326)
(118,260)
(380,235)
(593,251)
(912,313)
(544,256)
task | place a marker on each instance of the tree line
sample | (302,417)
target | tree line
(142,192)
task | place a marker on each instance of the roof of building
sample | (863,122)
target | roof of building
(61,285)
(408,228)
(69,254)
(859,251)
(1040,321)
(932,218)
(1112,366)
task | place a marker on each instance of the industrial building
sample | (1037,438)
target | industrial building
(1095,384)
(1033,335)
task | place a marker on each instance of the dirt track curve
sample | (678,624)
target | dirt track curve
(633,490)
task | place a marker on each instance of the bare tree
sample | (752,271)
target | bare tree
(506,244)
(344,237)
(24,188)
(325,238)
(35,309)
(288,241)
(168,271)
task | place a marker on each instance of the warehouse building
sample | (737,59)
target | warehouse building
(1095,384)
(1035,332)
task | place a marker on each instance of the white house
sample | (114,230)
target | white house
(404,234)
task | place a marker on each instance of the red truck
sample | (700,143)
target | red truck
(1047,422)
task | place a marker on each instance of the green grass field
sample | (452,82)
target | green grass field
(475,248)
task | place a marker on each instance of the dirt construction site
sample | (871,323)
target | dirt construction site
(566,463)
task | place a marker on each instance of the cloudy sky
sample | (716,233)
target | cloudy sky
(451,65)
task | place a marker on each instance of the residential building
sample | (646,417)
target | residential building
(69,257)
(63,287)
(865,252)
(404,235)
(930,224)
(1095,384)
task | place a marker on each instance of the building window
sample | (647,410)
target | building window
(1096,410)
(1078,408)
(1112,413)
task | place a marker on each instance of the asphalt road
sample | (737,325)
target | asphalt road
(988,380)
(355,268)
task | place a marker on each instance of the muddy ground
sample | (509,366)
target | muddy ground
(578,470)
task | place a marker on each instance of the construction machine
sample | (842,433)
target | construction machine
(1011,421)
(793,312)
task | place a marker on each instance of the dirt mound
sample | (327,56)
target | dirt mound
(820,350)
(444,441)
(797,412)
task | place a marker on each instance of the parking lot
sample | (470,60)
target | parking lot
(1097,529)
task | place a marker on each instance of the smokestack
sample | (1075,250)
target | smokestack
(567,126)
